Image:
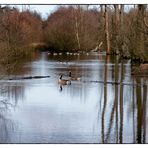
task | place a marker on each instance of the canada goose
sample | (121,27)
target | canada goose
(64,81)
(73,78)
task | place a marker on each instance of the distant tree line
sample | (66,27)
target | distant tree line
(109,28)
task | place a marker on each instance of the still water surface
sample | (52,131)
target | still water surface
(87,111)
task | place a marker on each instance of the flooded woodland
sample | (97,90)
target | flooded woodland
(81,76)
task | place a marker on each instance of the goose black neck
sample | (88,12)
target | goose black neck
(70,74)
(61,76)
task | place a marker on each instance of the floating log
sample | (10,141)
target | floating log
(117,83)
(29,77)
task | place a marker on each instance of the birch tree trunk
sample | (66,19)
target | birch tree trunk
(101,27)
(77,28)
(121,15)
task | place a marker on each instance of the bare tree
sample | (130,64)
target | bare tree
(117,28)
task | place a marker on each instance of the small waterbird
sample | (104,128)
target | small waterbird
(73,78)
(64,81)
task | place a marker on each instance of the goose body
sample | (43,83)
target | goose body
(74,78)
(63,81)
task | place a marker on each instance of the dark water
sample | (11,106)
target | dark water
(87,111)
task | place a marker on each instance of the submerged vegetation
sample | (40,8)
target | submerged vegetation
(74,28)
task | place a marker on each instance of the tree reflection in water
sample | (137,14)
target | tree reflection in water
(141,99)
(116,123)
(8,101)
(9,96)
(6,125)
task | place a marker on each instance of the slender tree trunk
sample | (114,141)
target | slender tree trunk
(117,29)
(121,15)
(77,28)
(122,29)
(100,29)
(107,31)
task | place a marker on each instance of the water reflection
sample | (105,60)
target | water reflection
(105,95)
(11,93)
(116,120)
(108,105)
(121,103)
(141,96)
(6,125)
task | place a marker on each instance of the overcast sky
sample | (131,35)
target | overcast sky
(44,10)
